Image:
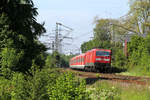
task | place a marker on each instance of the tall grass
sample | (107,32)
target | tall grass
(118,91)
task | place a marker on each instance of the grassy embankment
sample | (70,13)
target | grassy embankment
(105,90)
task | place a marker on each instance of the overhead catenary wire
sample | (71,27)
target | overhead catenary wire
(81,36)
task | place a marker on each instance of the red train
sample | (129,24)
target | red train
(93,59)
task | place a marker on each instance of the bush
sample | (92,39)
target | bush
(43,84)
(28,87)
(104,91)
(120,59)
(139,53)
(67,87)
(5,89)
(9,60)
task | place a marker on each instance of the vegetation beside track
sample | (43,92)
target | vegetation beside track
(118,91)
(105,89)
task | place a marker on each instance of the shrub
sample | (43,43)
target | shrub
(104,91)
(120,59)
(9,60)
(28,87)
(67,87)
(43,84)
(5,89)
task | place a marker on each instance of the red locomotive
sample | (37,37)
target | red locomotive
(93,59)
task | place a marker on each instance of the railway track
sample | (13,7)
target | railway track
(112,77)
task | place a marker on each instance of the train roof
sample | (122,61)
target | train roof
(78,56)
(99,50)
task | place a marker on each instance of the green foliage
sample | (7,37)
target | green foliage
(37,84)
(45,84)
(135,43)
(53,60)
(107,91)
(139,15)
(95,43)
(101,34)
(48,61)
(134,93)
(67,87)
(9,60)
(64,60)
(104,91)
(19,32)
(101,31)
(57,60)
(27,87)
(5,89)
(135,49)
(120,59)
(139,54)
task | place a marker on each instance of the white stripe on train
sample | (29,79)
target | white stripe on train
(77,66)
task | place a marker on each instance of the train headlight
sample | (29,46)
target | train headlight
(98,59)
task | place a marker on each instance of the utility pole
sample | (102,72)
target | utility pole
(53,46)
(59,38)
(54,41)
(56,38)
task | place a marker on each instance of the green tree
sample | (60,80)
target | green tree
(102,36)
(139,16)
(19,33)
(102,30)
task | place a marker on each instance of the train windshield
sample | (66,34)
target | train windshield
(102,53)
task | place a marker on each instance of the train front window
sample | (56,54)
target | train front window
(102,53)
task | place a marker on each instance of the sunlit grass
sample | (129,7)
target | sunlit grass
(118,91)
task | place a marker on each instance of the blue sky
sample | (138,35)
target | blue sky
(78,14)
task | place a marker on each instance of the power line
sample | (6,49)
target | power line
(81,36)
(59,37)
